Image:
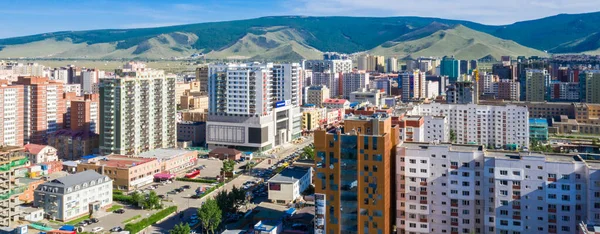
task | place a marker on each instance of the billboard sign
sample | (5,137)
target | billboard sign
(320,213)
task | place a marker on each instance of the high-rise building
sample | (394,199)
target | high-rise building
(495,126)
(373,96)
(316,95)
(413,85)
(333,66)
(253,106)
(12,158)
(85,114)
(537,83)
(564,91)
(353,81)
(331,80)
(363,62)
(391,65)
(384,84)
(354,165)
(90,79)
(464,67)
(202,77)
(12,106)
(590,86)
(44,108)
(462,92)
(137,111)
(508,90)
(432,89)
(465,189)
(450,67)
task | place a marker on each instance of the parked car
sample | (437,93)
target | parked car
(116,229)
(97,229)
(186,187)
(82,223)
(161,196)
(94,220)
(119,211)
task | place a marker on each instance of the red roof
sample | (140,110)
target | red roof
(333,100)
(123,161)
(34,148)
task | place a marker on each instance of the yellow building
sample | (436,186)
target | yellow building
(591,79)
(311,118)
(353,185)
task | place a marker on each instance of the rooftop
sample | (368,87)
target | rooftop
(335,101)
(227,151)
(290,175)
(164,153)
(75,179)
(538,122)
(380,116)
(119,161)
(34,148)
(266,225)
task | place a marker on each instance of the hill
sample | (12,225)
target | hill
(292,37)
(460,41)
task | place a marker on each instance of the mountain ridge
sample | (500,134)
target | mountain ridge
(255,38)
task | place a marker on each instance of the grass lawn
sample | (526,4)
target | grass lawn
(131,219)
(76,221)
(114,207)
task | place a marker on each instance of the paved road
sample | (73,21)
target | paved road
(185,204)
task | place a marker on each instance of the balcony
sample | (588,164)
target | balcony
(454,167)
(516,186)
(454,214)
(516,197)
(423,220)
(423,192)
(516,207)
(423,183)
(551,220)
(518,217)
(454,224)
(424,202)
(552,179)
(552,210)
(454,204)
(551,230)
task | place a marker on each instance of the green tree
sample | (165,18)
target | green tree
(180,228)
(152,201)
(224,201)
(308,153)
(228,166)
(239,198)
(137,199)
(452,136)
(210,215)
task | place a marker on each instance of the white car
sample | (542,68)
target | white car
(97,229)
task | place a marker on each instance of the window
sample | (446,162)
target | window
(503,172)
(517,173)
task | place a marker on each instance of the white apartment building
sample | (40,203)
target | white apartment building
(11,106)
(137,112)
(432,89)
(29,69)
(391,65)
(288,185)
(465,189)
(73,88)
(90,79)
(413,85)
(332,66)
(372,96)
(253,106)
(353,81)
(61,75)
(436,128)
(495,126)
(73,196)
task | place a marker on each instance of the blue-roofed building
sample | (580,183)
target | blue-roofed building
(538,129)
(268,227)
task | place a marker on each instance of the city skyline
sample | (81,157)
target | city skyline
(88,15)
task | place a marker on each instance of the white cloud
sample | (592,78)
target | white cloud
(482,11)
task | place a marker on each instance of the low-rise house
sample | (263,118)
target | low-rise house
(225,153)
(288,185)
(172,160)
(40,153)
(127,172)
(73,196)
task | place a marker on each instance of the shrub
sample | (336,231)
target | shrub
(207,181)
(144,223)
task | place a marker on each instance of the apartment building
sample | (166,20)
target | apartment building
(331,66)
(288,185)
(12,104)
(73,196)
(413,85)
(373,96)
(353,165)
(462,92)
(44,108)
(137,111)
(312,118)
(246,109)
(194,132)
(353,81)
(127,172)
(72,145)
(508,90)
(391,65)
(536,85)
(194,101)
(73,88)
(12,158)
(172,160)
(590,86)
(202,77)
(84,114)
(564,91)
(90,79)
(384,84)
(316,95)
(493,126)
(331,80)
(445,188)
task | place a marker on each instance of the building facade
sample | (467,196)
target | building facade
(288,185)
(493,126)
(137,112)
(192,131)
(12,104)
(73,196)
(537,83)
(352,164)
(12,158)
(316,95)
(462,92)
(128,173)
(353,81)
(590,86)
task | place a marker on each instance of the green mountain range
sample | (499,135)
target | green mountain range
(297,37)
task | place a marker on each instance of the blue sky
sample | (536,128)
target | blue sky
(25,17)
